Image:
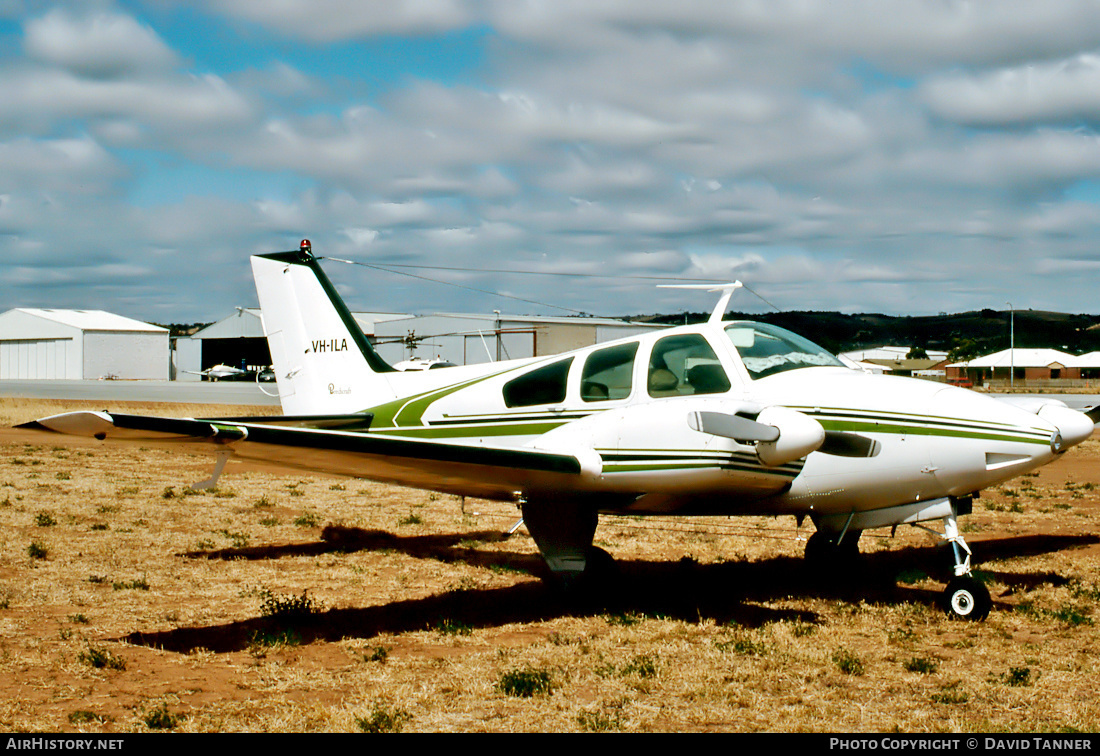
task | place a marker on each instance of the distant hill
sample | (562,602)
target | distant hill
(964,335)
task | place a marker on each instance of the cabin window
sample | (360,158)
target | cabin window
(767,349)
(545,385)
(608,373)
(685,365)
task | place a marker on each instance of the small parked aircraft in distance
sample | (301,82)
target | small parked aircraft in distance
(720,418)
(230,373)
(223,373)
(422,363)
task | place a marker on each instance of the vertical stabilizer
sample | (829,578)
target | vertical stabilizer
(323,363)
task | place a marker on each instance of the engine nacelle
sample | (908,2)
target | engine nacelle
(798,436)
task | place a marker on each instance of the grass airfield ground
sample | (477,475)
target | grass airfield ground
(290,602)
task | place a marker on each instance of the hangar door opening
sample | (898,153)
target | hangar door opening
(35,359)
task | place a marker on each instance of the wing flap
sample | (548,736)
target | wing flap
(357,421)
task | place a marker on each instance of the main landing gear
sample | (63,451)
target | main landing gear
(563,532)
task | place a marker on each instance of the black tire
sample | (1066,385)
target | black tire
(819,549)
(966,598)
(593,585)
(600,569)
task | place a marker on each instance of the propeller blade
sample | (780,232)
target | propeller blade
(739,428)
(841,444)
(784,435)
(1094,414)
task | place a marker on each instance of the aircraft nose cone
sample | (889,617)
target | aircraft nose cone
(1073,426)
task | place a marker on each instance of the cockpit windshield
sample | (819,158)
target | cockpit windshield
(767,349)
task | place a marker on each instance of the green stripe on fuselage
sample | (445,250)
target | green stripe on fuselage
(926,430)
(651,460)
(898,423)
(612,468)
(901,416)
(409,410)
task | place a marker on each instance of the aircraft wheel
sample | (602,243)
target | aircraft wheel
(600,572)
(599,564)
(819,548)
(591,585)
(966,598)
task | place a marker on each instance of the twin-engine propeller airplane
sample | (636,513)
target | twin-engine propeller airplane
(722,418)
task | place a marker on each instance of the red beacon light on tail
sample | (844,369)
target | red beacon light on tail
(305,246)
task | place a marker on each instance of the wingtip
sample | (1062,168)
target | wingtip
(73,424)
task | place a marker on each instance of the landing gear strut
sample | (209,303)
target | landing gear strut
(834,544)
(965,597)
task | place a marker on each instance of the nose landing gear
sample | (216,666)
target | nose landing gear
(965,597)
(835,542)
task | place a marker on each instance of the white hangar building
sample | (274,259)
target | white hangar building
(238,341)
(468,339)
(80,345)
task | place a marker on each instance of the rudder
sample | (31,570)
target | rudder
(323,362)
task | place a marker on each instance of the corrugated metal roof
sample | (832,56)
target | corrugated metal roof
(1022,358)
(905,364)
(92,320)
(245,323)
(552,319)
(891,353)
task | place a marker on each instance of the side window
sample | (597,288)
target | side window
(685,365)
(608,373)
(546,385)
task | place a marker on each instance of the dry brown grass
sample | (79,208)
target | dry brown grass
(304,603)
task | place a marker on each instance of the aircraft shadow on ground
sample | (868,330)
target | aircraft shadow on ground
(728,592)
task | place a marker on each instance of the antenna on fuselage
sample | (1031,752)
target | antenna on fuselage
(723,301)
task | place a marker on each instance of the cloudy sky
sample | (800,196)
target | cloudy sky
(904,156)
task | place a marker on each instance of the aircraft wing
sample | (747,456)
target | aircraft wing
(332,444)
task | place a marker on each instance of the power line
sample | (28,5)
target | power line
(549,273)
(750,291)
(396,269)
(506,271)
(459,286)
